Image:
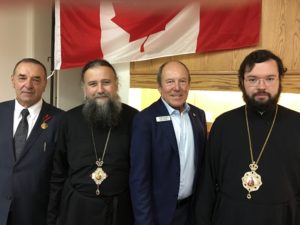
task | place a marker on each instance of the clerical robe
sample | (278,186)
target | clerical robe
(73,199)
(221,197)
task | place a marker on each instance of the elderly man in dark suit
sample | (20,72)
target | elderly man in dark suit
(27,139)
(168,142)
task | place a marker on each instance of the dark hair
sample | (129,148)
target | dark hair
(96,63)
(160,71)
(30,60)
(259,56)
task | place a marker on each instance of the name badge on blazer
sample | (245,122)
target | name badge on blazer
(162,118)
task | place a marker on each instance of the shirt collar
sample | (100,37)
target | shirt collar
(34,110)
(171,110)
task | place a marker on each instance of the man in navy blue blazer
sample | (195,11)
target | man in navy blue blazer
(24,177)
(168,141)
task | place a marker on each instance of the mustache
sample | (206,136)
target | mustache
(262,92)
(103,94)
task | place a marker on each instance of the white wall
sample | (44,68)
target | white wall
(13,45)
(25,32)
(69,92)
(123,70)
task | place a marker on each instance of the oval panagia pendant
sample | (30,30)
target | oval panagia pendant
(251,180)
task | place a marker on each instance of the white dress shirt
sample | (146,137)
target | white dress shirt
(185,142)
(34,112)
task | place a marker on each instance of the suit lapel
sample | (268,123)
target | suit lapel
(197,124)
(170,133)
(7,128)
(198,131)
(167,126)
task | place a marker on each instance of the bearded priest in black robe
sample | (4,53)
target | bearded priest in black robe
(252,163)
(89,184)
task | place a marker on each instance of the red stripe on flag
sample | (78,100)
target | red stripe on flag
(229,28)
(80,34)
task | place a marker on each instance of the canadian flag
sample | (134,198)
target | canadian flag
(121,32)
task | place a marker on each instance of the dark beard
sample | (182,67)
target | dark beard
(102,114)
(261,106)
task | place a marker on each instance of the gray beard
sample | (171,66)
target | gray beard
(102,114)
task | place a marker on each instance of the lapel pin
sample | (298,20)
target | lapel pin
(46,118)
(44,125)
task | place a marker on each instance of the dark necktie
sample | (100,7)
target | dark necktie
(21,133)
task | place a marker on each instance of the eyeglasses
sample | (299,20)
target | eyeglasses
(254,81)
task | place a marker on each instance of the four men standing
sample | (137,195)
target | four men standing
(250,174)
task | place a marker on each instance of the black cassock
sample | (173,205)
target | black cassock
(221,197)
(73,198)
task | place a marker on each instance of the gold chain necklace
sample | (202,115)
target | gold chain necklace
(252,180)
(99,175)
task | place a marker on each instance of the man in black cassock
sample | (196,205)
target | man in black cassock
(252,163)
(89,184)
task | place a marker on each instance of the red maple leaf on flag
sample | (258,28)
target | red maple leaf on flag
(140,22)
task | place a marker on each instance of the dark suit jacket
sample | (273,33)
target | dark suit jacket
(24,184)
(155,166)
